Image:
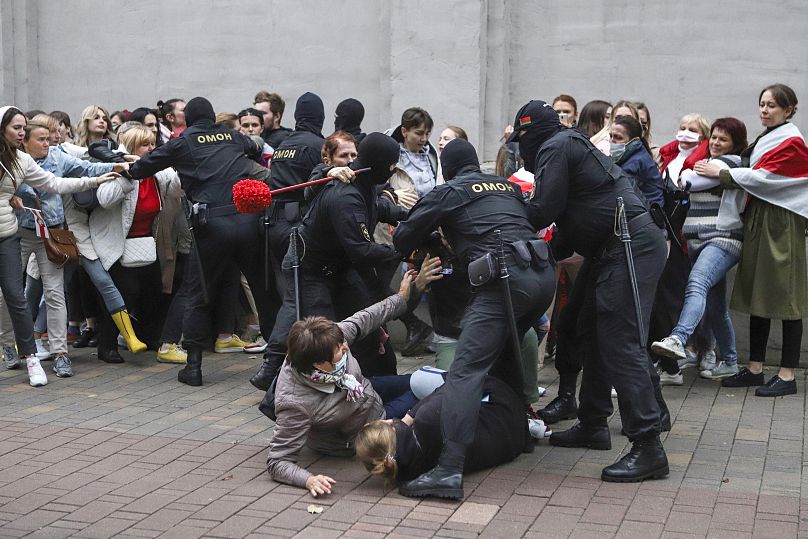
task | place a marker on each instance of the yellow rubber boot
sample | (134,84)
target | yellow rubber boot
(124,323)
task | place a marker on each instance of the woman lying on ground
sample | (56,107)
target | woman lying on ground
(321,398)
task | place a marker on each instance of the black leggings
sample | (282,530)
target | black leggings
(759,338)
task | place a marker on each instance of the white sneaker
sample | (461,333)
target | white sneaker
(258,346)
(666,379)
(36,374)
(538,429)
(691,360)
(42,353)
(670,347)
(542,390)
(708,361)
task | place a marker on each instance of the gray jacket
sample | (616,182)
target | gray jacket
(319,415)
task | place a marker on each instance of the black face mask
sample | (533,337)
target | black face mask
(379,152)
(531,141)
(199,110)
(309,114)
(350,114)
(458,155)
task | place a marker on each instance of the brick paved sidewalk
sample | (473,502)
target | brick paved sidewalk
(125,450)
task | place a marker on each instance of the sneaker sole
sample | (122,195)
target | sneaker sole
(780,394)
(666,352)
(662,473)
(172,361)
(260,350)
(716,376)
(229,350)
(597,446)
(63,375)
(37,385)
(450,494)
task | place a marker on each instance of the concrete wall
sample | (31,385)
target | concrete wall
(469,62)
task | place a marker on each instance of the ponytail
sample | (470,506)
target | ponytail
(376,448)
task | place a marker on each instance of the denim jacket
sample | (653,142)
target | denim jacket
(63,165)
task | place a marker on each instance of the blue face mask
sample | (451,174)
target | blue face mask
(341,365)
(616,151)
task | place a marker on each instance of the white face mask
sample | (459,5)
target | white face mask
(341,365)
(687,136)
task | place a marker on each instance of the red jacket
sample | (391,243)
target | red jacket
(670,150)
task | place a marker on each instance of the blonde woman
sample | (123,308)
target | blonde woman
(403,450)
(93,126)
(18,168)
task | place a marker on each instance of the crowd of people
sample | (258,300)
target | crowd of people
(128,231)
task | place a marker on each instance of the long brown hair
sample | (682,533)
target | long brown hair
(8,153)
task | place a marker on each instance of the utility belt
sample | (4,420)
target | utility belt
(290,211)
(523,254)
(202,212)
(634,225)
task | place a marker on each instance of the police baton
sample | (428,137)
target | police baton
(504,278)
(293,237)
(625,236)
(197,261)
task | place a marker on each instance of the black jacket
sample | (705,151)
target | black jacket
(469,208)
(274,137)
(293,162)
(338,229)
(209,160)
(577,188)
(501,434)
(387,208)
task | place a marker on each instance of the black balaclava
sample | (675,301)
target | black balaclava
(458,156)
(350,114)
(199,111)
(540,122)
(310,114)
(377,151)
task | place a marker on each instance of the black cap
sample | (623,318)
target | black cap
(534,112)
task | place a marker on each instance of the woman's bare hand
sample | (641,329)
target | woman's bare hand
(319,484)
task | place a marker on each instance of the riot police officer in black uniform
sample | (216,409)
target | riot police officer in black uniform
(469,208)
(209,160)
(335,247)
(577,188)
(291,164)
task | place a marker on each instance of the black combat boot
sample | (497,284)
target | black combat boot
(580,435)
(444,480)
(191,374)
(646,460)
(110,356)
(564,406)
(268,371)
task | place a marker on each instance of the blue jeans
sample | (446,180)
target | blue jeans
(395,394)
(707,291)
(104,284)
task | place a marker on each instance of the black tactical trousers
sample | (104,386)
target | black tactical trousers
(607,329)
(483,337)
(233,238)
(335,297)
